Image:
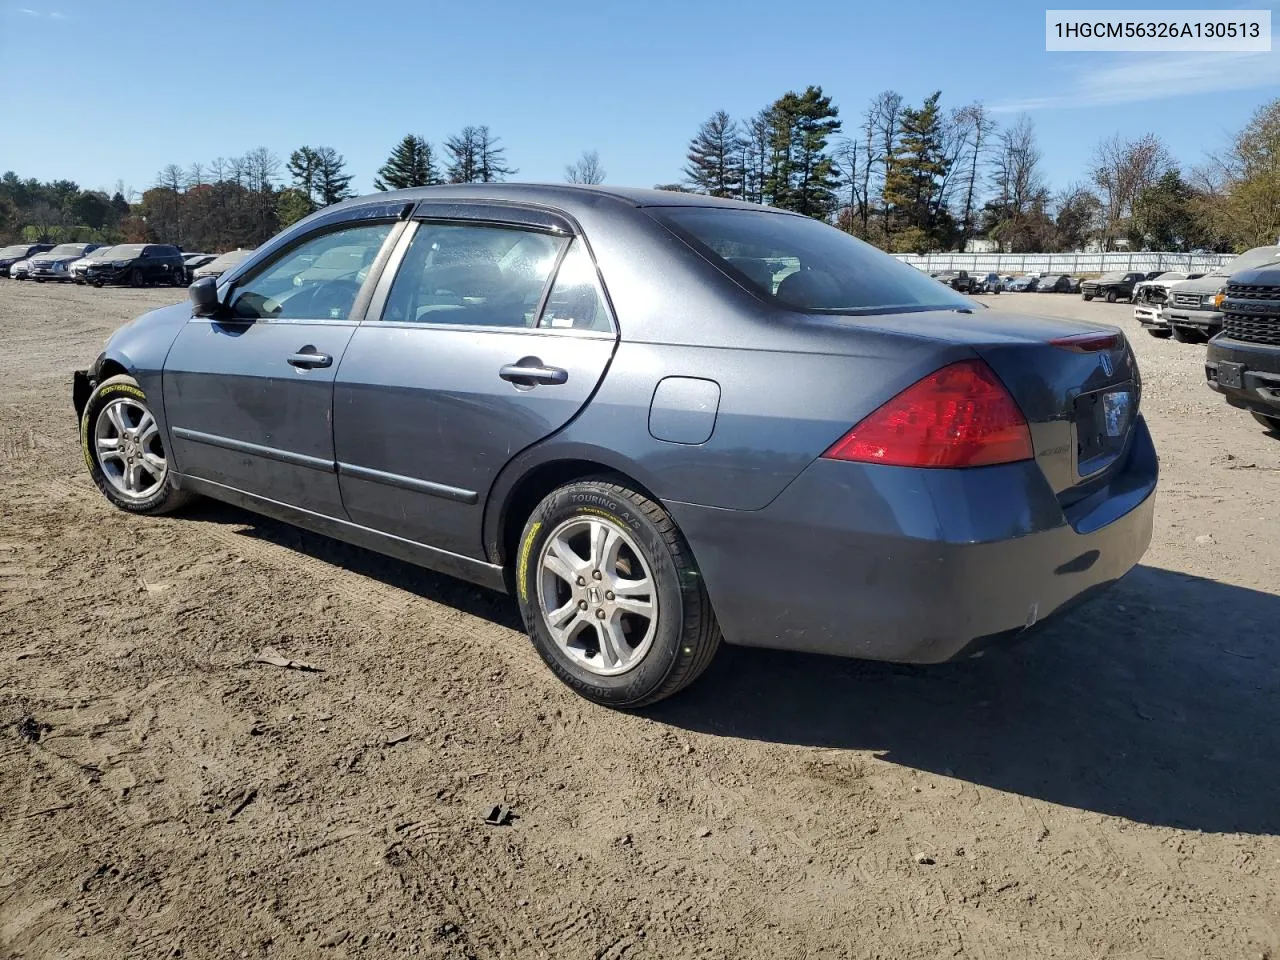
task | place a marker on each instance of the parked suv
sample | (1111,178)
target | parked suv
(139,264)
(1112,286)
(1243,361)
(55,264)
(1194,309)
(21,251)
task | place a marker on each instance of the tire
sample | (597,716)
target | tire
(136,279)
(1271,423)
(1187,335)
(1111,296)
(1160,332)
(153,490)
(1086,296)
(674,645)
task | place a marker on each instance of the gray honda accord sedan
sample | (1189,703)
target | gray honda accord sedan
(658,419)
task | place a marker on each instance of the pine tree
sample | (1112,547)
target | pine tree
(302,167)
(801,174)
(411,164)
(332,182)
(913,172)
(491,165)
(715,165)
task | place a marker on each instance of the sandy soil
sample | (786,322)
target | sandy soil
(1108,790)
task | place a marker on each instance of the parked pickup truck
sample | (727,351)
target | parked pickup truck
(958,280)
(1194,309)
(1112,286)
(1243,361)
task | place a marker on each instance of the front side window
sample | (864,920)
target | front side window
(473,275)
(806,265)
(316,280)
(576,302)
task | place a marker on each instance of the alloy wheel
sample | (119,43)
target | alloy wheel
(597,595)
(127,441)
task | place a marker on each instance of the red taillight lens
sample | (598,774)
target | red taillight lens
(959,416)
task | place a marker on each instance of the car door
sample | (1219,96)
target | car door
(249,394)
(488,337)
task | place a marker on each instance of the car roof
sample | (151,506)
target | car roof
(567,197)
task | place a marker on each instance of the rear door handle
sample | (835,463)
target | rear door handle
(308,360)
(530,371)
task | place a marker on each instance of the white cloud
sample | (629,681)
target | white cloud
(57,16)
(1141,77)
(29,12)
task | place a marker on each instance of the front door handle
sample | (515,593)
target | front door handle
(309,359)
(529,371)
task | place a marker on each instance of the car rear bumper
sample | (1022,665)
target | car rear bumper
(1259,388)
(917,565)
(1206,320)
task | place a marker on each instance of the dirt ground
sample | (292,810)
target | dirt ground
(1109,789)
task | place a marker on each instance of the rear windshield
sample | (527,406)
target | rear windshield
(805,264)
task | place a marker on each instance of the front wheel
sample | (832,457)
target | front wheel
(1161,332)
(123,449)
(136,279)
(611,597)
(1086,296)
(1187,335)
(1111,296)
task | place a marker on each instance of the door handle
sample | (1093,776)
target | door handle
(530,371)
(308,360)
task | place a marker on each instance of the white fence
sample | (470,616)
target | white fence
(1066,262)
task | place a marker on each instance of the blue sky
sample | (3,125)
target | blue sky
(98,91)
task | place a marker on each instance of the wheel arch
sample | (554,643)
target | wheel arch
(521,487)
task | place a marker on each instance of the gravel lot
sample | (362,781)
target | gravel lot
(1107,790)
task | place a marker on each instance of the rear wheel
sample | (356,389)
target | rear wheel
(124,451)
(1272,423)
(611,596)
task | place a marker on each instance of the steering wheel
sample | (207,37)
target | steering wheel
(324,298)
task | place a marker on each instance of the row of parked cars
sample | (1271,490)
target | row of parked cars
(134,264)
(966,282)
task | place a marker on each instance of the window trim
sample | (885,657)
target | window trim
(361,302)
(379,296)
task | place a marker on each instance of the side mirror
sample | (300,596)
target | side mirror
(204,297)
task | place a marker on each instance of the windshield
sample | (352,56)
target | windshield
(127,251)
(804,264)
(67,250)
(1172,276)
(229,260)
(1111,277)
(102,253)
(1250,258)
(15,251)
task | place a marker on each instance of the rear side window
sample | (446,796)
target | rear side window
(804,264)
(473,275)
(576,301)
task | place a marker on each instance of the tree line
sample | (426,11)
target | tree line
(915,178)
(906,177)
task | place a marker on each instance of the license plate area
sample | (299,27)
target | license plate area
(1230,374)
(1103,419)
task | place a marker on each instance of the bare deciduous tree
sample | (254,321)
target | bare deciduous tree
(1121,169)
(586,169)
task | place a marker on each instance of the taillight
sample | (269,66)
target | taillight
(959,416)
